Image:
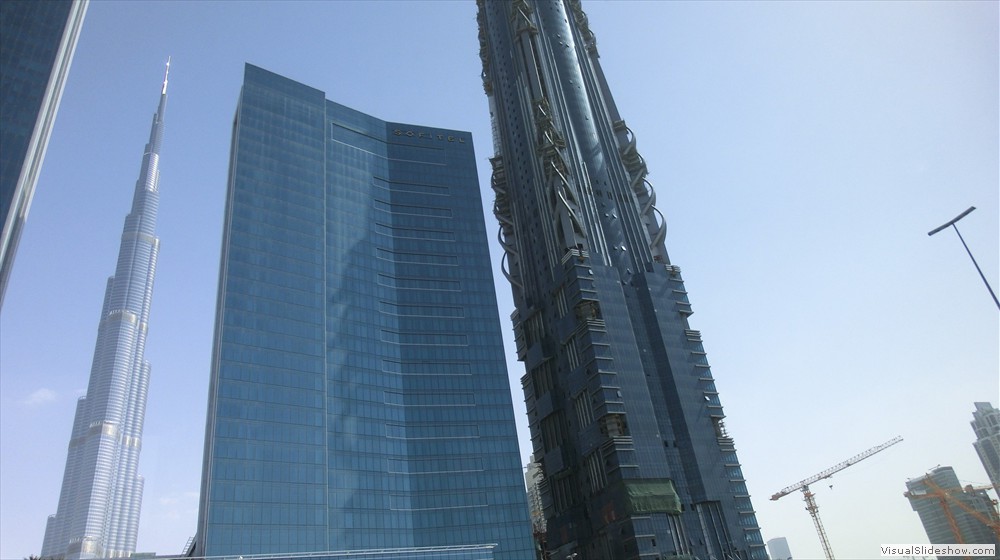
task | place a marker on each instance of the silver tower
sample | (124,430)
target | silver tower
(98,514)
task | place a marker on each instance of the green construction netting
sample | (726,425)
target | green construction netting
(652,496)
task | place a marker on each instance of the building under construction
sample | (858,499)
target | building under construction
(950,513)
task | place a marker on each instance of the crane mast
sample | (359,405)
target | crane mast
(810,498)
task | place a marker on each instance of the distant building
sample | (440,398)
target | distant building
(945,507)
(778,549)
(359,399)
(625,415)
(986,424)
(37,41)
(98,512)
(533,479)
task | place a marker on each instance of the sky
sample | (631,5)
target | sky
(800,151)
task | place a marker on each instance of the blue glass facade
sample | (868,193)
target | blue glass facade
(625,416)
(37,40)
(359,397)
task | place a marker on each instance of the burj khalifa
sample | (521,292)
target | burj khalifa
(98,511)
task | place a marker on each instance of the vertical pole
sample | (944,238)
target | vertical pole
(979,270)
(813,510)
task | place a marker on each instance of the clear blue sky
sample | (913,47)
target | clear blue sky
(800,151)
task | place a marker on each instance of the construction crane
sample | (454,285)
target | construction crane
(933,490)
(810,498)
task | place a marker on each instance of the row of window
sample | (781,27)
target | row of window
(415,283)
(440,431)
(410,187)
(417,258)
(419,338)
(436,465)
(411,210)
(430,399)
(412,233)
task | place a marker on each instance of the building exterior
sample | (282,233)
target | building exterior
(986,424)
(37,40)
(98,512)
(779,549)
(533,481)
(624,412)
(359,399)
(949,513)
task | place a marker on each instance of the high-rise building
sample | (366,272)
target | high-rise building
(37,40)
(949,513)
(359,398)
(778,548)
(624,412)
(986,424)
(98,512)
(533,480)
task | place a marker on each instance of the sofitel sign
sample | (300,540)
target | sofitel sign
(441,137)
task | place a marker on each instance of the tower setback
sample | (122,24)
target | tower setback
(625,416)
(98,512)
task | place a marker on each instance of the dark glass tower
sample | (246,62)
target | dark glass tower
(37,40)
(359,398)
(624,413)
(98,514)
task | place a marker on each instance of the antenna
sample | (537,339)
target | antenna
(165,74)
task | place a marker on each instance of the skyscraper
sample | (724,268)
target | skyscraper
(624,412)
(986,424)
(37,40)
(359,398)
(778,548)
(949,513)
(98,512)
(533,480)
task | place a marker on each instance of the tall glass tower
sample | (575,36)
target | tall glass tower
(986,424)
(37,41)
(359,400)
(624,412)
(98,513)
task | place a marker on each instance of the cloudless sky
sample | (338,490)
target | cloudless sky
(801,151)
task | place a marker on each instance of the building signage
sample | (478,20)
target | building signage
(429,135)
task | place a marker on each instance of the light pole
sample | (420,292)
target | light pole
(952,224)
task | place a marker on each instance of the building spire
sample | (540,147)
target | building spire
(165,74)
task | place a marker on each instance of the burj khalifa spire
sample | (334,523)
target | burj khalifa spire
(98,511)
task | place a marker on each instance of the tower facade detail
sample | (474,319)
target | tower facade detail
(359,401)
(101,495)
(625,417)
